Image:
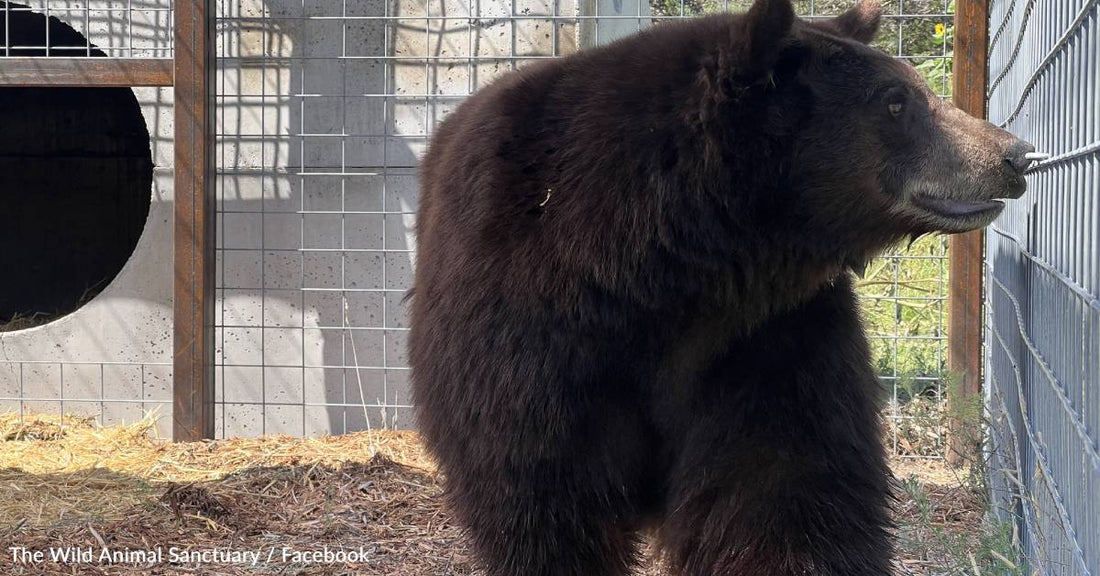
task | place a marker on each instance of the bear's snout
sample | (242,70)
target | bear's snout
(975,167)
(1019,157)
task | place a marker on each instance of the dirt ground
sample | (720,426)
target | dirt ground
(202,506)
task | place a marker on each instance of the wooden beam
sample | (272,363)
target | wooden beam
(85,72)
(964,330)
(193,358)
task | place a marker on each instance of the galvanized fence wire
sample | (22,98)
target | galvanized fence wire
(1043,278)
(116,392)
(111,28)
(324,109)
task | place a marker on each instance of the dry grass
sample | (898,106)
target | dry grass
(68,482)
(939,516)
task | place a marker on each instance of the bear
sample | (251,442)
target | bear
(633,312)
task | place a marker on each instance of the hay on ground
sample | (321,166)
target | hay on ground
(65,481)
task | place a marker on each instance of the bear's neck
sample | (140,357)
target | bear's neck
(774,271)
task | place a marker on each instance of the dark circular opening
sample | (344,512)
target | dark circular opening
(76,175)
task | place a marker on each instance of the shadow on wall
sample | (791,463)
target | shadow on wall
(324,111)
(318,142)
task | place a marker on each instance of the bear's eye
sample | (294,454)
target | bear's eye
(895,98)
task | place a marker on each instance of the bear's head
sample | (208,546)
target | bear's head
(870,143)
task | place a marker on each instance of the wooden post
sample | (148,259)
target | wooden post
(193,346)
(964,331)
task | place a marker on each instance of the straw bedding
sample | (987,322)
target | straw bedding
(66,482)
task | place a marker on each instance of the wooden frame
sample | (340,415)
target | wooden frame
(964,330)
(71,72)
(191,72)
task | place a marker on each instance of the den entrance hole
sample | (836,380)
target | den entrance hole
(76,176)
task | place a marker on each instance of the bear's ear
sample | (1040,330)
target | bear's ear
(766,28)
(860,22)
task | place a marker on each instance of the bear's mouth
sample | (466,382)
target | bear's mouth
(960,209)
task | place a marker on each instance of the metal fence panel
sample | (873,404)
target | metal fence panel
(1043,271)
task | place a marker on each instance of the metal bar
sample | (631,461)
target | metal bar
(85,72)
(193,347)
(1043,462)
(1089,149)
(964,331)
(1058,388)
(1044,66)
(1003,25)
(1016,47)
(1086,298)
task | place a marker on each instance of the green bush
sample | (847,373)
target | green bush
(905,313)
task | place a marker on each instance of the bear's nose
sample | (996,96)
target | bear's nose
(1017,156)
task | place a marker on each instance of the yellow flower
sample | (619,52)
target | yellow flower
(940,29)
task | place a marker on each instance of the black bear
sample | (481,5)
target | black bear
(633,308)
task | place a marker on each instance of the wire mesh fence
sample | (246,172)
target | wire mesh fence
(1043,278)
(110,28)
(324,110)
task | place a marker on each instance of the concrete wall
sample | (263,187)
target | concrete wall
(327,109)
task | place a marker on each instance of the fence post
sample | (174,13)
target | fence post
(193,317)
(964,331)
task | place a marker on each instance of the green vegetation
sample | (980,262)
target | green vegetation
(945,515)
(905,313)
(938,69)
(938,534)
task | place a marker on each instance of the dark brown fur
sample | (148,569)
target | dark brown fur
(631,309)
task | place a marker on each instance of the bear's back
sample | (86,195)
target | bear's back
(543,162)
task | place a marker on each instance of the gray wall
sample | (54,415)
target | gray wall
(324,109)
